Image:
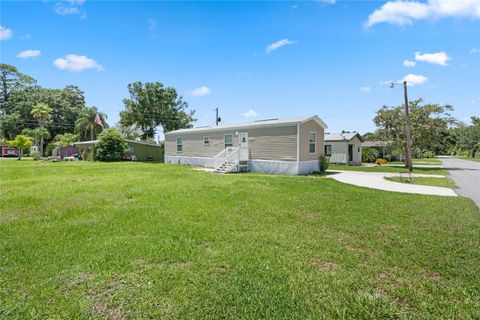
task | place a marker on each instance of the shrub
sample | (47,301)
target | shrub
(369,154)
(111,145)
(380,161)
(324,162)
(35,155)
(428,155)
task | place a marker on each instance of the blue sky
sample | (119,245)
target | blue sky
(254,60)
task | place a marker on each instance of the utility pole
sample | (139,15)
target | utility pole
(408,132)
(217,118)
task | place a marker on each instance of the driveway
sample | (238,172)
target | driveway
(466,175)
(376,180)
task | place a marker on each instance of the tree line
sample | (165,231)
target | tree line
(434,130)
(57,117)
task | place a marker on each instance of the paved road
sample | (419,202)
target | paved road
(466,174)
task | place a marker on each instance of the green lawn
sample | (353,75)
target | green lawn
(437,182)
(468,158)
(398,169)
(153,241)
(418,162)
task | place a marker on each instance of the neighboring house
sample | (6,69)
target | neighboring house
(139,151)
(344,148)
(288,146)
(384,148)
(67,151)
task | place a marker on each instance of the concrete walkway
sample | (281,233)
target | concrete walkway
(376,180)
(466,174)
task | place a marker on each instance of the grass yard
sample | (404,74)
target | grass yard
(468,158)
(437,182)
(86,240)
(398,169)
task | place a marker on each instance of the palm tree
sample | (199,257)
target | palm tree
(86,124)
(42,113)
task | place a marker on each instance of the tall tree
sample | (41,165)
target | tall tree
(86,125)
(10,80)
(152,105)
(66,103)
(429,124)
(42,113)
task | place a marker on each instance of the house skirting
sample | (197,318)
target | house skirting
(261,166)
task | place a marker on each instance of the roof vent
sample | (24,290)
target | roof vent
(262,120)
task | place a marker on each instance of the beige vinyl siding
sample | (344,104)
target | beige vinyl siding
(274,143)
(269,143)
(193,143)
(305,129)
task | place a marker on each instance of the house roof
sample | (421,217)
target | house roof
(376,143)
(126,140)
(342,136)
(255,124)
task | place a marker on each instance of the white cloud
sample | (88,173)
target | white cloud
(76,2)
(29,54)
(64,11)
(250,114)
(5,33)
(201,91)
(406,12)
(76,63)
(439,58)
(276,45)
(72,8)
(365,89)
(414,79)
(474,50)
(328,1)
(409,63)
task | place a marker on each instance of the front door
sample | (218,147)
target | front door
(350,152)
(243,139)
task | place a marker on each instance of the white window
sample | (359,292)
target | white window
(131,149)
(228,138)
(312,142)
(206,141)
(179,144)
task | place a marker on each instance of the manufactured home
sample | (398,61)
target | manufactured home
(280,146)
(344,148)
(137,150)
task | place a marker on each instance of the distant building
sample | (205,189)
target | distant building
(344,148)
(137,150)
(384,148)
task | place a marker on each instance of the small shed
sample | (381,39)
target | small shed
(66,151)
(344,148)
(140,151)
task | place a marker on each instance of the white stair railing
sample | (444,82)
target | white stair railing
(220,158)
(229,155)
